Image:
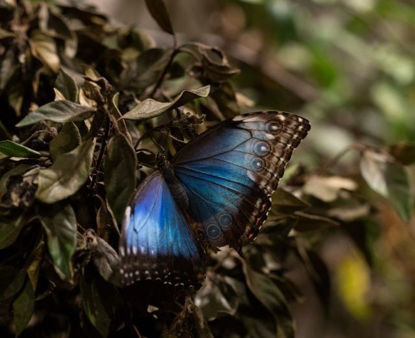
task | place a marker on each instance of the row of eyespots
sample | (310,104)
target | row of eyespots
(214,231)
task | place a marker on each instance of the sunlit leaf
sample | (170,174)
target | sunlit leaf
(67,174)
(14,149)
(388,179)
(59,222)
(151,108)
(354,285)
(57,111)
(23,307)
(119,174)
(44,48)
(328,188)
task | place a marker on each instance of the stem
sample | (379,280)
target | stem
(165,70)
(101,152)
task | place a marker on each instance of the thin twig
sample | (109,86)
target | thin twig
(101,151)
(166,68)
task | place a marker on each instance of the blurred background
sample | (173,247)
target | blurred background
(349,67)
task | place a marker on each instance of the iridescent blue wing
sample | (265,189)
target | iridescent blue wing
(231,171)
(157,242)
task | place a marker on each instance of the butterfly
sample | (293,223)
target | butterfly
(215,191)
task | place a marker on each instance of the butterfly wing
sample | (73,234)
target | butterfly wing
(231,171)
(157,242)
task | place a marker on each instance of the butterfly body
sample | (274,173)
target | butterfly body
(216,190)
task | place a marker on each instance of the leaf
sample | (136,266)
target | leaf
(57,111)
(8,68)
(285,203)
(213,63)
(10,228)
(158,11)
(23,307)
(12,279)
(44,48)
(34,267)
(150,108)
(14,149)
(99,300)
(67,174)
(327,189)
(119,174)
(67,86)
(59,222)
(217,298)
(117,117)
(146,69)
(271,297)
(107,261)
(68,139)
(318,273)
(354,284)
(388,179)
(6,34)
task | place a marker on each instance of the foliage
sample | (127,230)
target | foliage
(82,101)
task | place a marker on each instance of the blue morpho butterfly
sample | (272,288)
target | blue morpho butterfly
(215,190)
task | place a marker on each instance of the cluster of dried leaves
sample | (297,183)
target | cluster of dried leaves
(82,102)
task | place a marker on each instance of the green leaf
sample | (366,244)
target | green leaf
(99,300)
(285,203)
(119,174)
(150,108)
(146,69)
(67,86)
(158,11)
(10,228)
(68,139)
(388,179)
(67,174)
(57,111)
(44,48)
(59,222)
(14,149)
(23,307)
(265,290)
